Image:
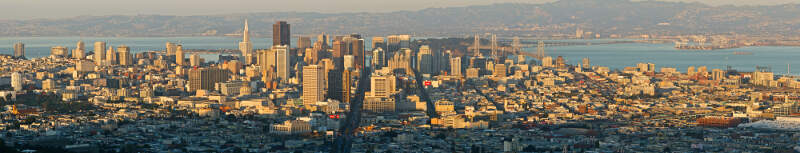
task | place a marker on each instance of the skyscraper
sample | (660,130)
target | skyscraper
(99,52)
(395,42)
(401,61)
(426,65)
(19,50)
(280,34)
(303,42)
(455,66)
(335,81)
(282,64)
(345,92)
(378,58)
(179,55)
(322,39)
(205,78)
(313,83)
(246,46)
(111,56)
(124,55)
(194,60)
(311,56)
(170,48)
(339,49)
(349,61)
(357,47)
(16,81)
(267,61)
(378,42)
(78,53)
(586,63)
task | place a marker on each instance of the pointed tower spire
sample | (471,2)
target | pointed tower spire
(246,33)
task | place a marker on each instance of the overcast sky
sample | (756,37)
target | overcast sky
(30,9)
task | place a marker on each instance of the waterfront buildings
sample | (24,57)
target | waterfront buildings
(19,50)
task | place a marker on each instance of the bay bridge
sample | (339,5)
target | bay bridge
(516,45)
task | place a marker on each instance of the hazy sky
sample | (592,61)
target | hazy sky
(30,9)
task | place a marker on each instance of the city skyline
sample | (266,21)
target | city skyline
(569,76)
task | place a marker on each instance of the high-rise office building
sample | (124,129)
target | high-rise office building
(170,48)
(280,34)
(339,49)
(304,42)
(267,60)
(455,66)
(383,86)
(234,66)
(357,49)
(246,46)
(378,58)
(322,39)
(313,83)
(335,80)
(79,51)
(19,50)
(124,55)
(401,61)
(346,81)
(311,56)
(378,42)
(111,56)
(395,42)
(179,55)
(194,60)
(16,81)
(426,60)
(99,52)
(206,78)
(586,63)
(349,61)
(282,57)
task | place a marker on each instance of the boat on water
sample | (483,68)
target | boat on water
(742,53)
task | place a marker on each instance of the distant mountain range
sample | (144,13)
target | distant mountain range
(604,17)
